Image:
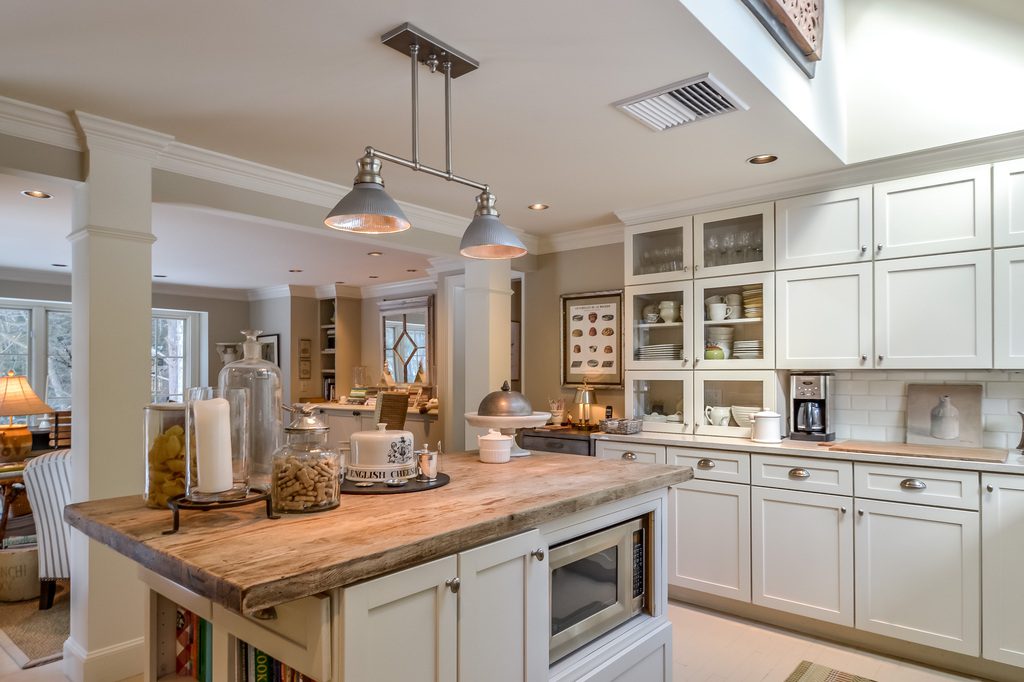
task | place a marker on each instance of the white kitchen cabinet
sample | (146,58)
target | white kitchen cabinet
(663,400)
(709,531)
(734,241)
(630,452)
(672,304)
(823,229)
(802,553)
(503,637)
(753,321)
(715,394)
(934,312)
(342,424)
(917,574)
(936,213)
(1008,325)
(1002,561)
(825,318)
(659,252)
(1008,203)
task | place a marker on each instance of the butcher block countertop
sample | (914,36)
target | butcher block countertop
(245,562)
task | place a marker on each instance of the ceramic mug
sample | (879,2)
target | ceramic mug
(651,318)
(717,416)
(733,312)
(714,299)
(719,311)
(734,299)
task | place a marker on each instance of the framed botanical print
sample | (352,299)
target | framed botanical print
(591,334)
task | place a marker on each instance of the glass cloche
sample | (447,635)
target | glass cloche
(306,475)
(263,379)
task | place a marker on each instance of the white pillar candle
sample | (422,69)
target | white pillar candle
(213,445)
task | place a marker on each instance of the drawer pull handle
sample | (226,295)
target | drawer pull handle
(799,473)
(629,456)
(269,613)
(556,445)
(990,488)
(705,463)
(842,509)
(453,584)
(913,484)
(538,554)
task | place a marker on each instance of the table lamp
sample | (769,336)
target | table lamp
(17,399)
(585,397)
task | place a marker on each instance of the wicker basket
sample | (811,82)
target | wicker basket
(621,426)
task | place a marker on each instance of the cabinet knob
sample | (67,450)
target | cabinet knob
(842,510)
(913,484)
(453,584)
(881,357)
(863,249)
(799,473)
(696,268)
(878,249)
(863,358)
(705,463)
(860,512)
(685,268)
(629,456)
(538,554)
(990,488)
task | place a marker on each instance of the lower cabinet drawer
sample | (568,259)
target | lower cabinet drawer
(572,446)
(297,633)
(802,473)
(632,452)
(918,485)
(713,465)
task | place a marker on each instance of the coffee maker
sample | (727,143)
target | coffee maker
(811,417)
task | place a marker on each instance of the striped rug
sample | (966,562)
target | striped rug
(812,672)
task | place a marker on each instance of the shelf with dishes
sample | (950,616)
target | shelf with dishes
(736,329)
(659,252)
(661,400)
(725,402)
(657,318)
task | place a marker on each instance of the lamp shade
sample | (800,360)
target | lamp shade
(17,398)
(367,209)
(585,395)
(488,238)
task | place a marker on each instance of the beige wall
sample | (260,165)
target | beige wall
(274,316)
(305,324)
(593,269)
(349,342)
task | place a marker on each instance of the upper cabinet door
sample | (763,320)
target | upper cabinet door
(937,213)
(934,312)
(1009,308)
(1008,203)
(734,241)
(659,252)
(824,318)
(823,229)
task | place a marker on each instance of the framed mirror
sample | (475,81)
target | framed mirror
(408,343)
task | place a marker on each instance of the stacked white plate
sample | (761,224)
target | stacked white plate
(753,300)
(747,350)
(659,351)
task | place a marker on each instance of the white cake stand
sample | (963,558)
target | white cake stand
(509,425)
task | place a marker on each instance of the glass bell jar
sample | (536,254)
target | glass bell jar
(263,380)
(306,472)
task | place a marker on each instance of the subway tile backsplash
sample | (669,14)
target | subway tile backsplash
(872,404)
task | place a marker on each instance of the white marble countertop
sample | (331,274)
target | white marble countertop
(413,411)
(1013,464)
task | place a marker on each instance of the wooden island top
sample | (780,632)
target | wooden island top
(245,562)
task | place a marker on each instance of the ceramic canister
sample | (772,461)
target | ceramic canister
(381,455)
(766,427)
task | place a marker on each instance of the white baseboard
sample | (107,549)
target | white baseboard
(116,662)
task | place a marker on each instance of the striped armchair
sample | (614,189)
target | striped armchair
(48,484)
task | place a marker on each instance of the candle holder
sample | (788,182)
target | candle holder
(217,428)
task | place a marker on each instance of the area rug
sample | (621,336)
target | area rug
(32,637)
(812,672)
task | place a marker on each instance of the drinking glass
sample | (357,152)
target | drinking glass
(728,246)
(711,251)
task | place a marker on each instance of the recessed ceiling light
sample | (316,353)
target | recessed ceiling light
(374,253)
(762,158)
(294,270)
(538,207)
(160,276)
(58,265)
(36,194)
(411,270)
(374,277)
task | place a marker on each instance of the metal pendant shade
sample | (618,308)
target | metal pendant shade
(367,209)
(488,238)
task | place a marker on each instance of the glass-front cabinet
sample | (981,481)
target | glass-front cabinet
(659,252)
(734,322)
(663,400)
(659,318)
(724,402)
(734,241)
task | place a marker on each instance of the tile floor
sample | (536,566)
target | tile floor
(707,647)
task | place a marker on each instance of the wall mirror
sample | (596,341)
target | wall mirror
(408,332)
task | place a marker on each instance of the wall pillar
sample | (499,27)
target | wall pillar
(111,311)
(487,332)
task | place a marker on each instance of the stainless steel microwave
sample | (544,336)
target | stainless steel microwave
(597,582)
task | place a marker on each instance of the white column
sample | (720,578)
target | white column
(111,309)
(488,340)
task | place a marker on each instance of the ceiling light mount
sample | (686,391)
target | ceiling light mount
(761,159)
(36,194)
(369,209)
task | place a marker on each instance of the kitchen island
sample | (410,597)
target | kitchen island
(312,590)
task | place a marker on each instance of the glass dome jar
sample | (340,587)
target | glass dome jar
(306,473)
(263,379)
(164,427)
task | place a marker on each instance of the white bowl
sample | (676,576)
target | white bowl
(742,415)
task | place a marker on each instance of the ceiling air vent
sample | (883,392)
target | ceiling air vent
(693,99)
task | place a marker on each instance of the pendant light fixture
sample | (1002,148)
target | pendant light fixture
(368,209)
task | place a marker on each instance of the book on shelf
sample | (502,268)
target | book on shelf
(255,665)
(193,646)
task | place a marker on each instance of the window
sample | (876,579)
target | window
(15,339)
(58,359)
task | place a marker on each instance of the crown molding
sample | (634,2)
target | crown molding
(111,233)
(948,157)
(38,124)
(337,291)
(581,239)
(267,293)
(301,291)
(171,289)
(62,278)
(409,286)
(122,138)
(439,264)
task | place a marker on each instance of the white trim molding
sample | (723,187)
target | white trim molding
(280,291)
(121,138)
(111,233)
(38,124)
(115,662)
(581,239)
(410,286)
